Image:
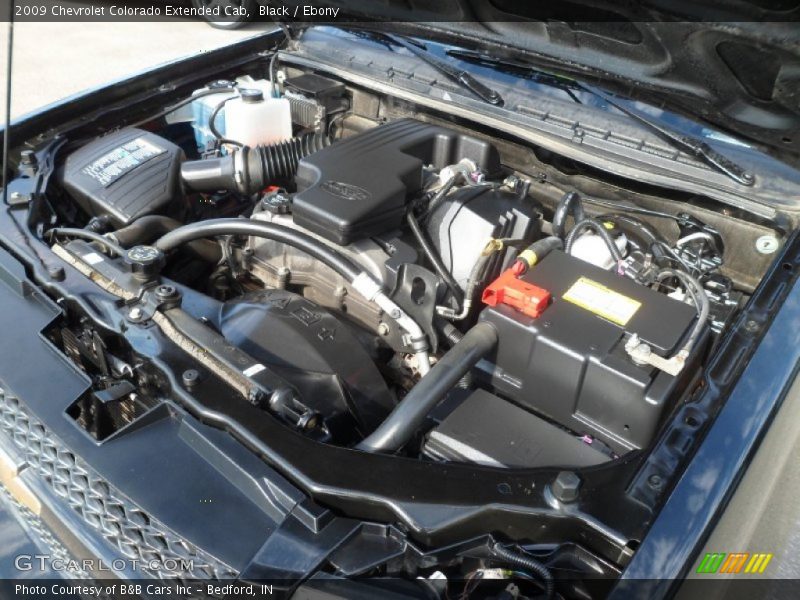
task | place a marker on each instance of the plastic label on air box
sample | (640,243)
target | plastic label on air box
(602,301)
(113,165)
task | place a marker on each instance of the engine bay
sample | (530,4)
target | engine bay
(607,323)
(384,282)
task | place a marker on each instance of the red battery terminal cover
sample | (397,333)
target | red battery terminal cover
(525,297)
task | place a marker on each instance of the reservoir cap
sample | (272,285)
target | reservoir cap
(252,96)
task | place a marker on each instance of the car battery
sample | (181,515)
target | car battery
(562,328)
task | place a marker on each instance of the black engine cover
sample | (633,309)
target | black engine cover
(309,347)
(358,187)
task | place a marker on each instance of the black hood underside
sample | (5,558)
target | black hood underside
(735,65)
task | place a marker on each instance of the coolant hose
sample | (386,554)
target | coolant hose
(570,204)
(524,561)
(598,228)
(216,227)
(250,170)
(406,418)
(362,282)
(150,227)
(144,230)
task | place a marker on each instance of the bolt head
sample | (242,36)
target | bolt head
(190,377)
(566,486)
(135,313)
(166,291)
(278,204)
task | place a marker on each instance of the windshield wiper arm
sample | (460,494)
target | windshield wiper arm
(696,147)
(460,76)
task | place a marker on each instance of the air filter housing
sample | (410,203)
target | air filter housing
(125,175)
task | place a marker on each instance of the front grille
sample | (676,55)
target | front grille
(45,538)
(128,529)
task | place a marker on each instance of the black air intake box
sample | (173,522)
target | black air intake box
(125,175)
(358,187)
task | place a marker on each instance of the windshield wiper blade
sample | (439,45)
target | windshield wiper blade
(689,144)
(697,148)
(460,76)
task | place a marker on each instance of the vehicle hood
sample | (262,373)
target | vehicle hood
(737,68)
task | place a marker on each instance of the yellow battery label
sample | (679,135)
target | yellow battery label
(602,301)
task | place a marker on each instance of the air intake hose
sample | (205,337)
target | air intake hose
(250,170)
(409,414)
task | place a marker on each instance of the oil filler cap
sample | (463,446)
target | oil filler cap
(525,297)
(146,262)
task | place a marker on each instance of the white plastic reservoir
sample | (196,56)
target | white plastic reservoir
(253,119)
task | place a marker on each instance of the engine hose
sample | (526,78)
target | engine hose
(598,228)
(88,235)
(534,253)
(440,195)
(453,336)
(202,93)
(150,227)
(362,282)
(473,281)
(249,170)
(570,204)
(406,418)
(433,257)
(216,227)
(649,233)
(654,238)
(695,289)
(212,124)
(524,561)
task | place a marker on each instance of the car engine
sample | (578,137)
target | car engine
(598,330)
(391,287)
